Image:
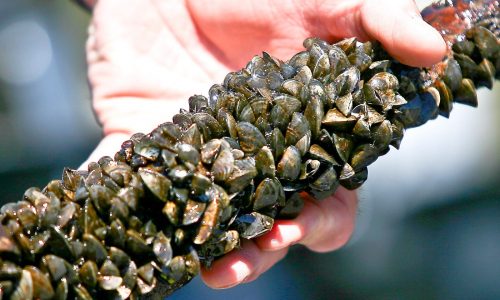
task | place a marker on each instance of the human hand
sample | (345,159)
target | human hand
(146,58)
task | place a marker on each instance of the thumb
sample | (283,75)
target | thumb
(401,30)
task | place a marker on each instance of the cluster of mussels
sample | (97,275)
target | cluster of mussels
(141,224)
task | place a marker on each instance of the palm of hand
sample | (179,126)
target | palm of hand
(145,60)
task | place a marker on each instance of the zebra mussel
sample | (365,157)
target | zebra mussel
(141,224)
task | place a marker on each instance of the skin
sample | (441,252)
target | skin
(144,64)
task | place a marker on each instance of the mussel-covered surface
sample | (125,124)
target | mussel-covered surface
(141,224)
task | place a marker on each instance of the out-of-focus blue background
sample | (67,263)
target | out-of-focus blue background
(429,217)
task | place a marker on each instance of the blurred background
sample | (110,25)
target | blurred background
(429,217)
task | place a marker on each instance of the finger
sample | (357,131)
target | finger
(241,265)
(338,224)
(267,264)
(400,28)
(321,226)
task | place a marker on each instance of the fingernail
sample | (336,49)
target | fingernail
(241,270)
(290,234)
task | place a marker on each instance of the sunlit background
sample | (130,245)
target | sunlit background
(429,217)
